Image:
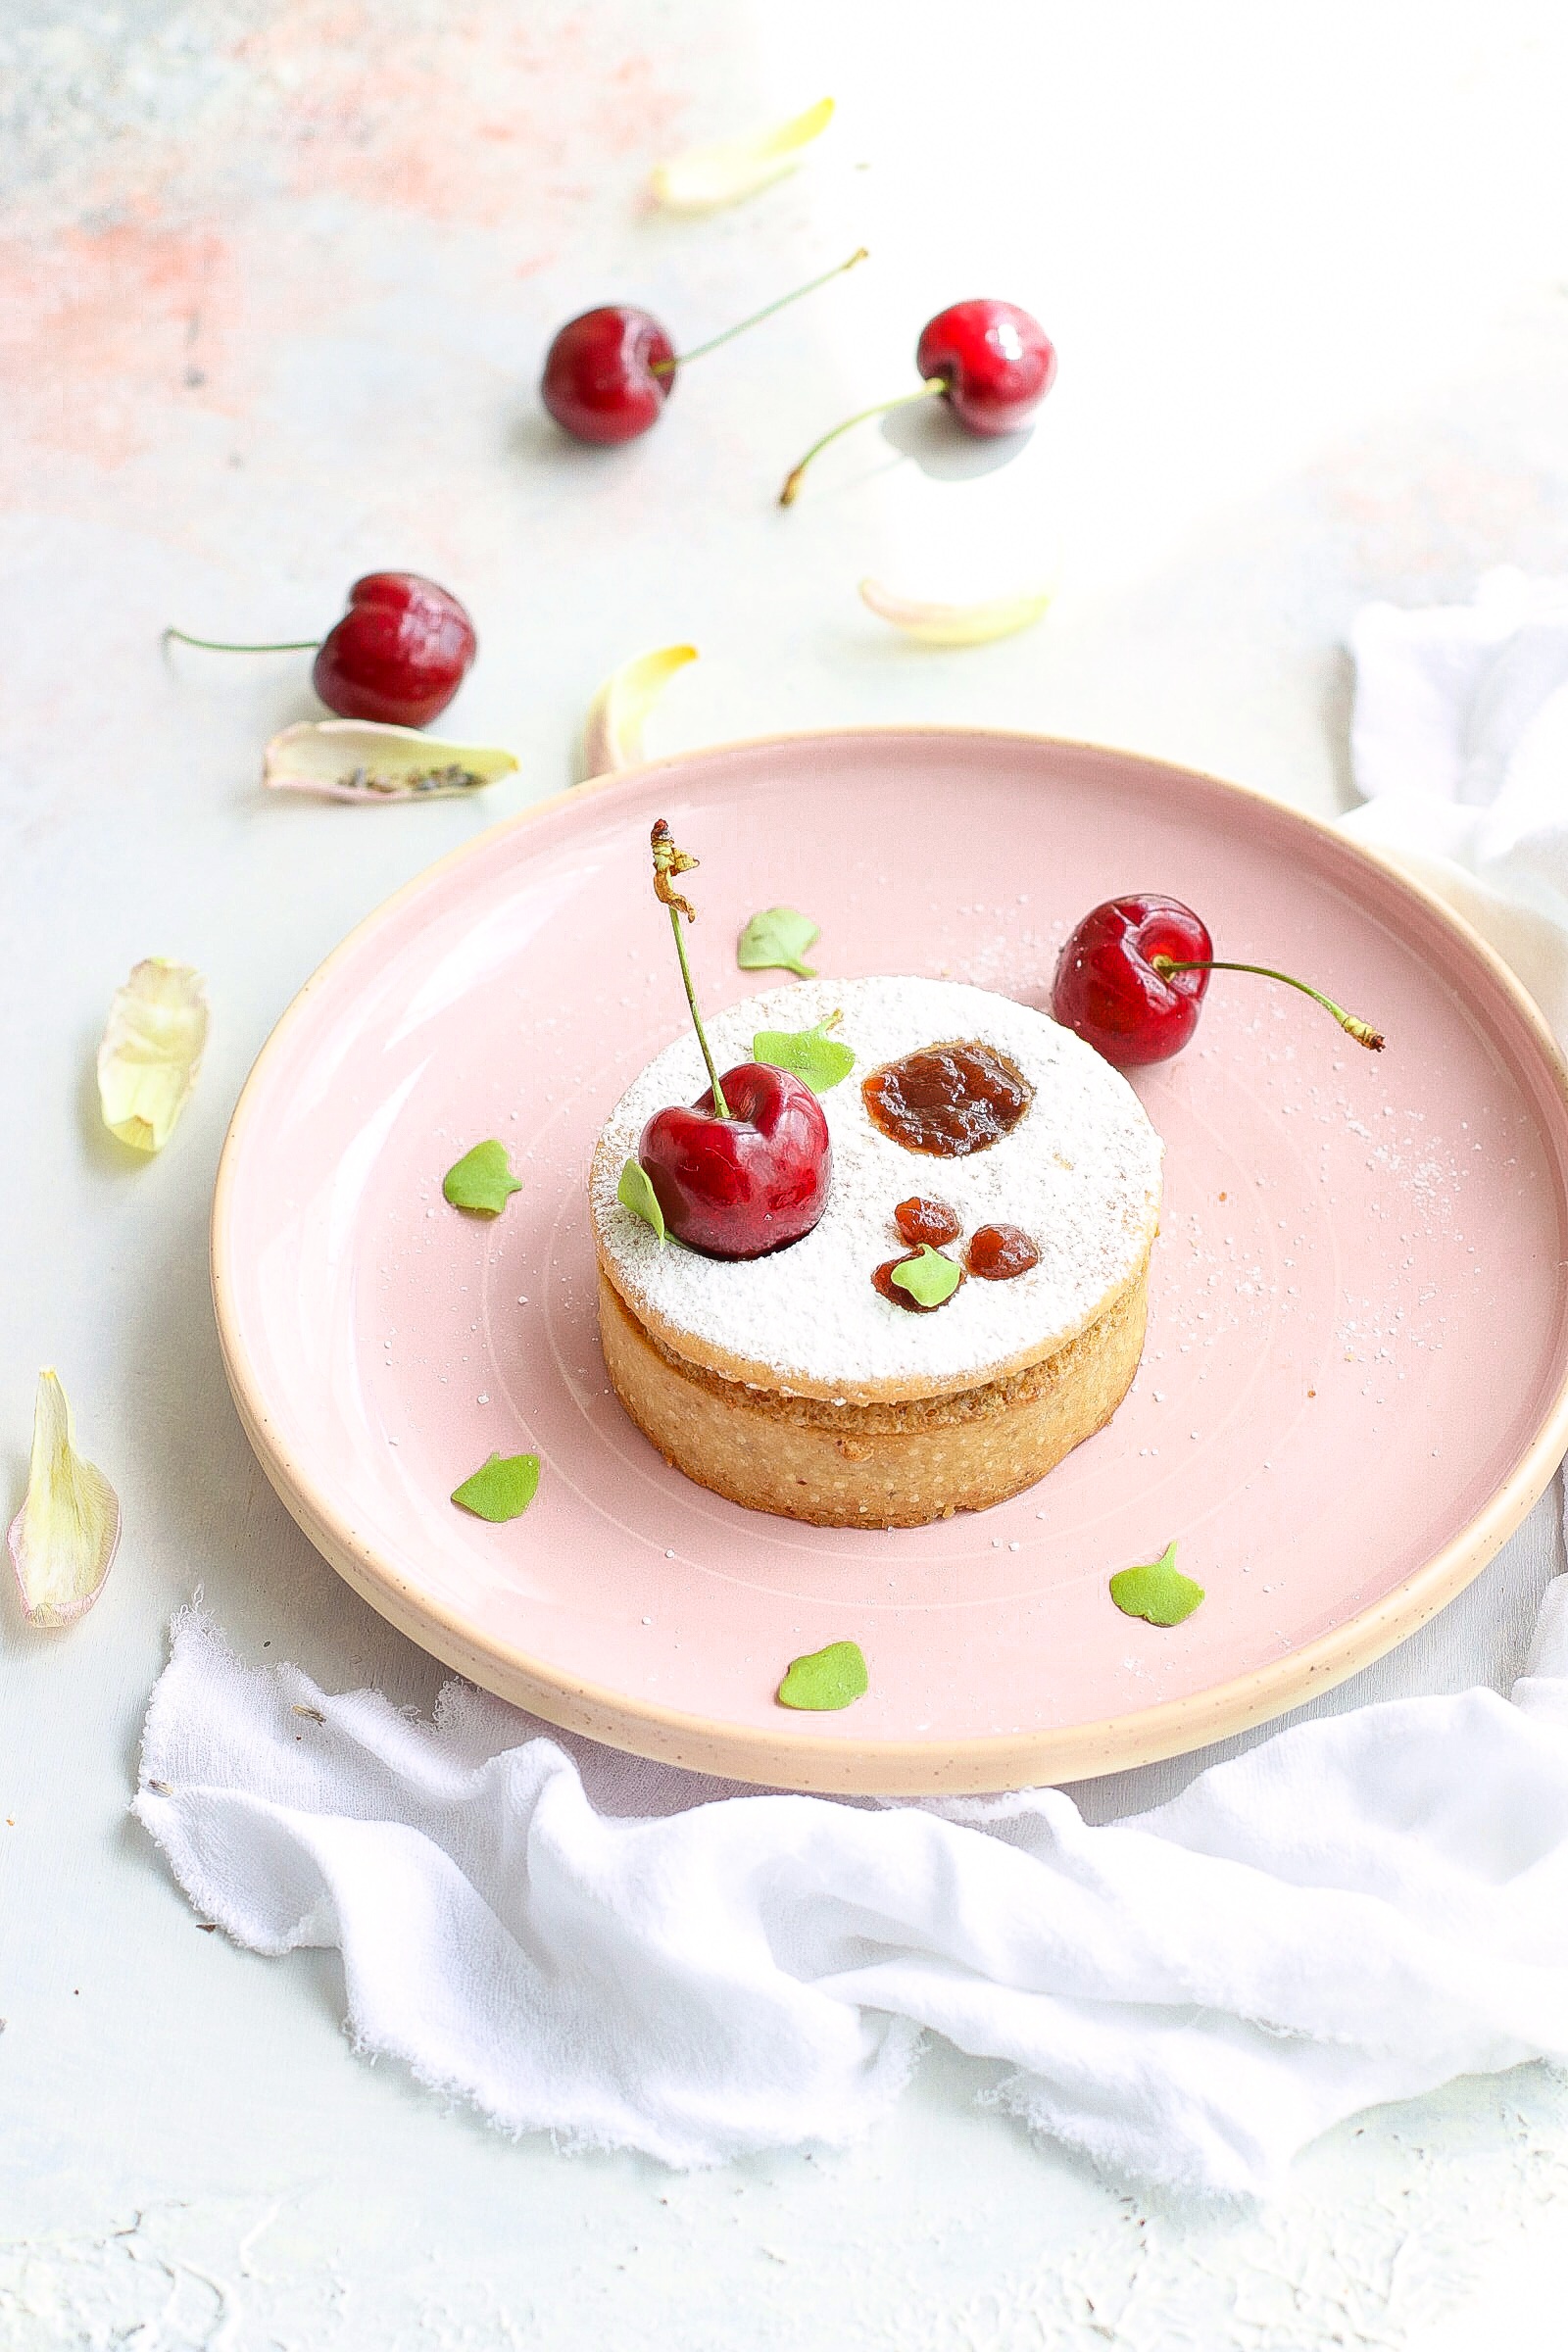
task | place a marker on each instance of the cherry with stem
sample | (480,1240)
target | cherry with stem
(608,373)
(990,362)
(397,656)
(1132,976)
(747,1169)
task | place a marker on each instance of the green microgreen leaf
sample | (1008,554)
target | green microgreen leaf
(930,1279)
(502,1490)
(1157,1590)
(634,1191)
(481,1181)
(834,1677)
(775,941)
(810,1055)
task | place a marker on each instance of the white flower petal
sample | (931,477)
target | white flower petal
(705,177)
(954,625)
(613,736)
(63,1538)
(350,759)
(151,1051)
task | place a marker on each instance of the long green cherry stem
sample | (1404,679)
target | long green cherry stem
(719,1103)
(928,391)
(668,862)
(684,358)
(215,645)
(1362,1030)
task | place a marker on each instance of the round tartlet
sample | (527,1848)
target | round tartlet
(787,1383)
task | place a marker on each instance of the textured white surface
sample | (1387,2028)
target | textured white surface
(1079,1172)
(279,274)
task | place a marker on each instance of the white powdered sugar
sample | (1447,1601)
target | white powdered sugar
(1080,1173)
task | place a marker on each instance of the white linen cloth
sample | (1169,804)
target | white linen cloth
(1357,1909)
(1460,745)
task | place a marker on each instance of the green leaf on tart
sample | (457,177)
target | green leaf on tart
(930,1279)
(481,1179)
(775,941)
(502,1490)
(1157,1590)
(636,1192)
(810,1055)
(830,1678)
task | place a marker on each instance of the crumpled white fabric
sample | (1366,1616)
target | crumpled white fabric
(1355,1910)
(1460,745)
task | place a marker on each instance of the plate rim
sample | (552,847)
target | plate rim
(798,1760)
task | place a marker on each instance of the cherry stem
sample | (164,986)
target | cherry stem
(215,645)
(720,1104)
(1362,1030)
(669,864)
(684,358)
(928,391)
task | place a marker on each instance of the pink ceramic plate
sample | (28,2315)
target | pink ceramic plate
(1354,1383)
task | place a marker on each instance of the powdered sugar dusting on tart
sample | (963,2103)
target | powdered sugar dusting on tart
(1080,1172)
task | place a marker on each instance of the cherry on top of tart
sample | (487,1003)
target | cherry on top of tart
(746,1168)
(948,1100)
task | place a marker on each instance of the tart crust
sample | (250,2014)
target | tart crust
(881,1464)
(789,1382)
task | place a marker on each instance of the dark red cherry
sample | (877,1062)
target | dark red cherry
(746,1185)
(1107,991)
(1132,977)
(398,655)
(997,363)
(989,361)
(608,374)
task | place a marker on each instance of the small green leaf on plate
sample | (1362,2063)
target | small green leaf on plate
(634,1191)
(930,1279)
(834,1677)
(502,1490)
(481,1179)
(1157,1590)
(810,1055)
(775,941)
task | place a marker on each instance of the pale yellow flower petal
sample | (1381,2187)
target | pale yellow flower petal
(705,178)
(612,737)
(152,1050)
(954,625)
(351,760)
(63,1538)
